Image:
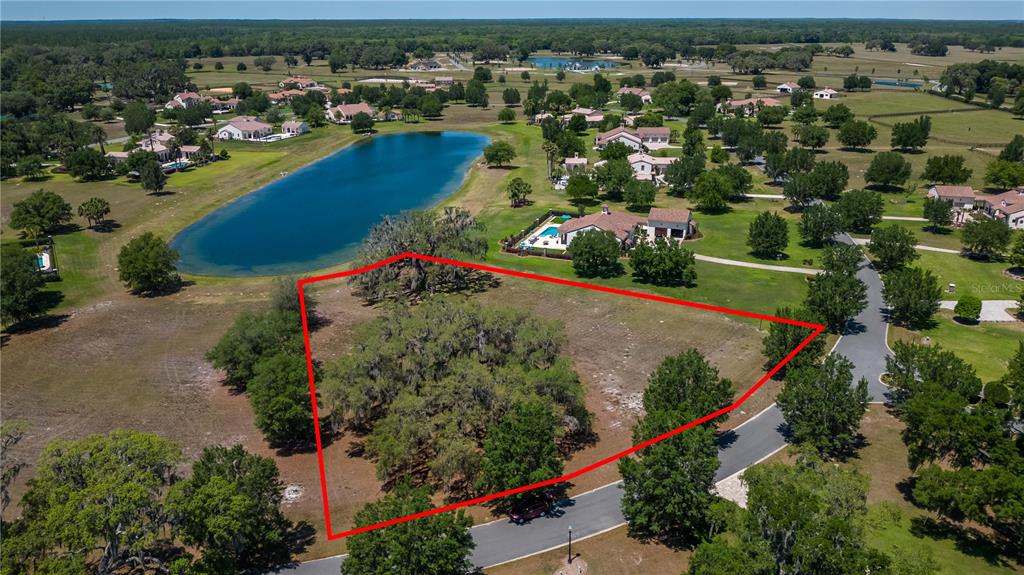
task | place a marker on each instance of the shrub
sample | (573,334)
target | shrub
(968,307)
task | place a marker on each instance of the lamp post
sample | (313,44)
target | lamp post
(570,544)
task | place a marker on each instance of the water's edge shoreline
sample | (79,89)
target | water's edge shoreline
(473,163)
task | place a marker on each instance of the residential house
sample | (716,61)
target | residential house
(669,223)
(964,198)
(424,65)
(622,224)
(1008,207)
(645,96)
(343,113)
(224,106)
(183,100)
(620,134)
(294,127)
(393,115)
(300,81)
(647,167)
(575,163)
(654,137)
(538,118)
(787,88)
(444,80)
(191,153)
(749,106)
(593,117)
(285,96)
(244,128)
(826,94)
(163,153)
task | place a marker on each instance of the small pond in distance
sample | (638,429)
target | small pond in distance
(317,216)
(554,62)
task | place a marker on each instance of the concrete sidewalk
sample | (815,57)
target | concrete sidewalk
(866,241)
(771,268)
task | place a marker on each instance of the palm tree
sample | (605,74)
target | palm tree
(175,147)
(98,137)
(550,149)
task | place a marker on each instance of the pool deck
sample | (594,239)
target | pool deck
(537,239)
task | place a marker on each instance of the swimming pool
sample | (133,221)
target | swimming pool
(549,232)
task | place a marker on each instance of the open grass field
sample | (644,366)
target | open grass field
(988,346)
(985,279)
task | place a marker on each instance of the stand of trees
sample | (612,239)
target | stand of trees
(962,446)
(434,384)
(667,486)
(436,544)
(801,518)
(262,354)
(450,233)
(114,503)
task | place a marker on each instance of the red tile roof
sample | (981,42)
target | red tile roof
(619,223)
(955,191)
(669,215)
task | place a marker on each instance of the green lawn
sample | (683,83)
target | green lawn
(891,528)
(946,238)
(898,102)
(984,279)
(740,288)
(987,346)
(725,235)
(982,126)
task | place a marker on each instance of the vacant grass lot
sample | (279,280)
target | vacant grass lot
(987,346)
(614,341)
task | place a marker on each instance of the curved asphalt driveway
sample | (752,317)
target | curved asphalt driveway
(864,341)
(599,510)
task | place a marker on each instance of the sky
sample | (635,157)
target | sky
(487,9)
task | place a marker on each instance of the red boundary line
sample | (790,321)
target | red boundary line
(816,330)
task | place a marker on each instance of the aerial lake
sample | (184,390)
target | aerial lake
(317,216)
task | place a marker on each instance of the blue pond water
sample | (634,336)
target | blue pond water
(898,83)
(569,63)
(317,216)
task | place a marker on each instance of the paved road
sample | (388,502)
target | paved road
(592,512)
(599,510)
(864,341)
